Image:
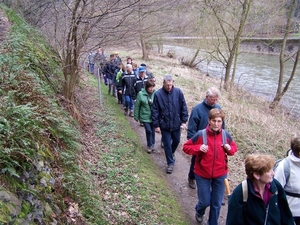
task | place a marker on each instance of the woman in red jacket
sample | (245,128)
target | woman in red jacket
(210,165)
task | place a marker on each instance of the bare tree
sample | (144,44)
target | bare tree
(74,27)
(152,20)
(230,22)
(285,56)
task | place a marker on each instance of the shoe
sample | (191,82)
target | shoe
(141,124)
(162,145)
(125,111)
(169,169)
(131,114)
(192,183)
(152,148)
(199,218)
(149,150)
(223,202)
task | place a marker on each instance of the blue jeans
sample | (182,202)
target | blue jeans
(129,102)
(171,140)
(210,193)
(91,68)
(150,134)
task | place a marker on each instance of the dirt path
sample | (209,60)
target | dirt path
(177,181)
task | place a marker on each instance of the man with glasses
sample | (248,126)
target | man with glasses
(199,120)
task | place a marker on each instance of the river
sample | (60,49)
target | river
(256,73)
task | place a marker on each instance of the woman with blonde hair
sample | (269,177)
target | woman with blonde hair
(265,200)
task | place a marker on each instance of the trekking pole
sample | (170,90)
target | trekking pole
(99,87)
(227,187)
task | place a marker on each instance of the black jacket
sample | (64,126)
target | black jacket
(169,109)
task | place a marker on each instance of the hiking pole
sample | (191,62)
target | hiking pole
(227,187)
(99,87)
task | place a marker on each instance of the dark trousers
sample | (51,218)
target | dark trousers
(171,140)
(191,173)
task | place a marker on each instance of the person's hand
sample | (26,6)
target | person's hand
(183,126)
(227,147)
(204,148)
(120,91)
(157,130)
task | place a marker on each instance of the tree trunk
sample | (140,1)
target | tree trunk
(279,93)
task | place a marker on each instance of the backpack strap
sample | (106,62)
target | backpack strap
(286,168)
(245,190)
(204,136)
(245,195)
(224,137)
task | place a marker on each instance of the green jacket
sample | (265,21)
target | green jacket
(142,108)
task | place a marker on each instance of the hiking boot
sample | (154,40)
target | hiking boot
(192,183)
(125,111)
(199,218)
(169,169)
(131,114)
(149,150)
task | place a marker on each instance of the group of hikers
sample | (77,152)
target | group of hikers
(264,198)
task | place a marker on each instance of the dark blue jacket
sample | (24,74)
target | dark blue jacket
(199,118)
(255,210)
(169,109)
(128,81)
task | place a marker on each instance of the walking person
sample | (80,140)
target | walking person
(198,120)
(109,73)
(119,72)
(142,112)
(211,166)
(169,114)
(287,173)
(128,81)
(266,201)
(91,59)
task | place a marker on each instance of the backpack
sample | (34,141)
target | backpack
(286,165)
(204,136)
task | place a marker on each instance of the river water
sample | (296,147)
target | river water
(256,73)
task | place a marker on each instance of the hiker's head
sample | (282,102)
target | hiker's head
(168,82)
(129,68)
(215,119)
(259,167)
(212,96)
(150,84)
(295,146)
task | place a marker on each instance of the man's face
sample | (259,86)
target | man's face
(168,85)
(212,100)
(142,74)
(129,69)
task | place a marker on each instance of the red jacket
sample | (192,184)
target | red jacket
(214,162)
